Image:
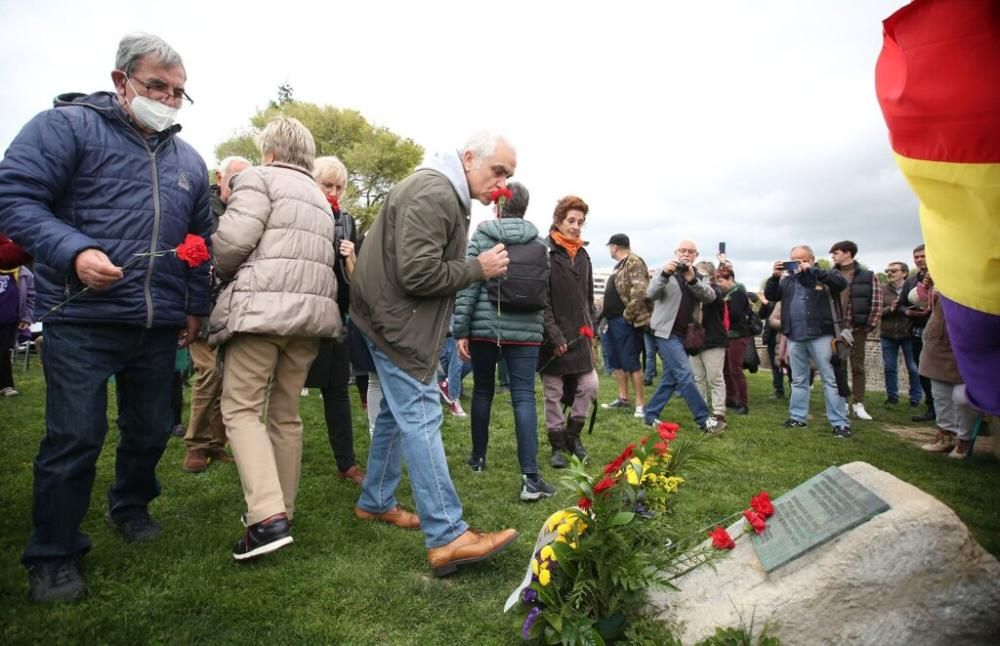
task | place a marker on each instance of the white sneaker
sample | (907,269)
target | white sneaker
(639,412)
(456,408)
(860,412)
(304,393)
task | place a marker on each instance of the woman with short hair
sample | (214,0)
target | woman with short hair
(566,359)
(274,252)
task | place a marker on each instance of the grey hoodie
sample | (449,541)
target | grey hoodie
(666,295)
(449,164)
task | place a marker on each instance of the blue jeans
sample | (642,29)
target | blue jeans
(456,368)
(521,363)
(79,360)
(890,360)
(605,351)
(677,376)
(649,344)
(799,353)
(408,427)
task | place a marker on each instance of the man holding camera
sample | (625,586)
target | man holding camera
(677,293)
(807,321)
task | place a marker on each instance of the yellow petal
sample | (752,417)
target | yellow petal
(544,577)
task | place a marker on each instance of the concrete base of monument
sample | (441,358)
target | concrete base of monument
(910,575)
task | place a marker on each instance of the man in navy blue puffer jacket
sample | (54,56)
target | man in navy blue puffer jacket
(84,188)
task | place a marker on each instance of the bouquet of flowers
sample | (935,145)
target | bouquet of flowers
(595,563)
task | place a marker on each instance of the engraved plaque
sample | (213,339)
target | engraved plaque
(809,515)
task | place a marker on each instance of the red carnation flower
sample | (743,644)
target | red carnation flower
(761,503)
(498,194)
(193,250)
(614,465)
(604,484)
(627,453)
(587,331)
(721,540)
(334,202)
(584,503)
(667,430)
(756,520)
(661,448)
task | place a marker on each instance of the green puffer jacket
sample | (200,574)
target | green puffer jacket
(475,316)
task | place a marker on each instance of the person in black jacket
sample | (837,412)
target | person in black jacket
(331,371)
(918,315)
(566,358)
(740,336)
(809,307)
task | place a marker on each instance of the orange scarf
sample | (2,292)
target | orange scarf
(571,246)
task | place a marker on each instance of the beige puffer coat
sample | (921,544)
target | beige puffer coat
(274,252)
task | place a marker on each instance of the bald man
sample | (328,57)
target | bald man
(677,293)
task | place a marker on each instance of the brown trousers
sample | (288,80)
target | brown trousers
(205,429)
(268,454)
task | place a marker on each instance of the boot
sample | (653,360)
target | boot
(573,443)
(558,441)
(942,443)
(961,450)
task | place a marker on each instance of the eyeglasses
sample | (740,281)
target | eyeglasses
(691,251)
(892,271)
(157,90)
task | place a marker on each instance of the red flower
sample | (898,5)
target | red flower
(334,203)
(761,504)
(587,331)
(644,440)
(721,539)
(583,503)
(756,520)
(667,430)
(498,194)
(627,453)
(604,484)
(661,448)
(613,466)
(193,250)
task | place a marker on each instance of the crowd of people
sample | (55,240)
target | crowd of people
(296,296)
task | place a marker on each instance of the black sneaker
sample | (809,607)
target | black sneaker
(618,403)
(262,538)
(929,416)
(741,410)
(842,432)
(50,581)
(178,430)
(794,423)
(558,460)
(139,529)
(533,488)
(891,401)
(477,464)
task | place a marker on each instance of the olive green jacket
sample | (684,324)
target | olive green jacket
(410,268)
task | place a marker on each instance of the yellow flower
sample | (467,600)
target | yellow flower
(564,528)
(544,577)
(556,518)
(548,553)
(534,566)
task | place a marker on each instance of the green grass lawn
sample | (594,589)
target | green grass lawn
(348,582)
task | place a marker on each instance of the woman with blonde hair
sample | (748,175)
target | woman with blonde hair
(274,252)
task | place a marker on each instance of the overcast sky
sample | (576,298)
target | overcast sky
(755,123)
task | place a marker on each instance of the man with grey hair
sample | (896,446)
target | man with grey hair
(205,439)
(411,266)
(102,211)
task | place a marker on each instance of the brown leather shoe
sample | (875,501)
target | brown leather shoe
(398,517)
(195,461)
(354,474)
(219,455)
(470,547)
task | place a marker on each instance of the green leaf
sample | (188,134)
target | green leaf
(622,518)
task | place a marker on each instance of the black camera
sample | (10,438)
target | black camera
(680,268)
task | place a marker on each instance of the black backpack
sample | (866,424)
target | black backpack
(525,286)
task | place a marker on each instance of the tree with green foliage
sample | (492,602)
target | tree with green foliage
(376,158)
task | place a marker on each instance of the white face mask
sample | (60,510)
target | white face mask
(152,114)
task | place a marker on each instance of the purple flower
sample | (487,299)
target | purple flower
(529,621)
(529,596)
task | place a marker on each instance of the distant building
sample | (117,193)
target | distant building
(601,280)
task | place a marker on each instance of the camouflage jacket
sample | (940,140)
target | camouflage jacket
(631,279)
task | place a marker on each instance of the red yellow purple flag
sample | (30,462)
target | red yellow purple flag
(938,84)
